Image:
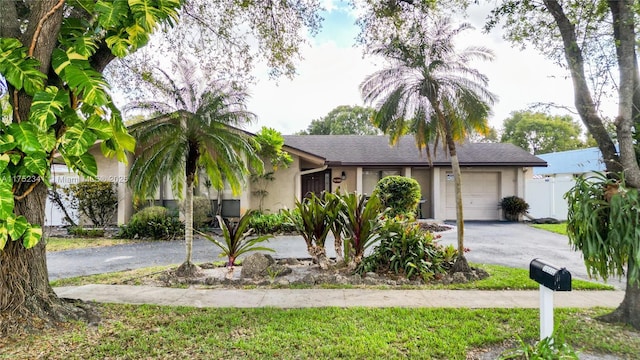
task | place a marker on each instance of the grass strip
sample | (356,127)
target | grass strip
(132,332)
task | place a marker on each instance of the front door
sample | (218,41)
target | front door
(316,183)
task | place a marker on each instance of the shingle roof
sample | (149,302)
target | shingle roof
(357,150)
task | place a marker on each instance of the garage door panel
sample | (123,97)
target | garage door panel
(480,196)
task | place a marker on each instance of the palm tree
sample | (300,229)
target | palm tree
(192,128)
(430,90)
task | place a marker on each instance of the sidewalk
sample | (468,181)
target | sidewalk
(287,298)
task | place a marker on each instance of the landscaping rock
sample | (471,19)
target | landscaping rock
(255,265)
(459,278)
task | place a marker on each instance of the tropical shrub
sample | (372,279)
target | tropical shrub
(97,200)
(153,222)
(310,219)
(399,193)
(408,251)
(236,239)
(79,231)
(335,206)
(277,223)
(513,207)
(550,348)
(202,211)
(361,221)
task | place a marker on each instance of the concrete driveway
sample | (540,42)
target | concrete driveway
(501,243)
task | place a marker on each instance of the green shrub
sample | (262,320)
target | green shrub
(278,223)
(82,232)
(236,241)
(408,251)
(400,193)
(97,200)
(202,212)
(153,222)
(513,207)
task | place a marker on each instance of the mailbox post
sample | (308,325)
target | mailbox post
(551,278)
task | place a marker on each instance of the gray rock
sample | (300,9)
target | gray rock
(255,265)
(459,278)
(276,270)
(290,261)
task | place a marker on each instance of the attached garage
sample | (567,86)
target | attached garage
(480,195)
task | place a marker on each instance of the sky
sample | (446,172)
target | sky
(333,68)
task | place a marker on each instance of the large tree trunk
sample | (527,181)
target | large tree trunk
(26,298)
(582,95)
(624,33)
(629,310)
(25,294)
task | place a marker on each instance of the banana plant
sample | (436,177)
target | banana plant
(361,218)
(313,224)
(236,239)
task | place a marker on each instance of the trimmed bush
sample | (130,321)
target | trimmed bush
(153,222)
(406,250)
(400,193)
(513,207)
(263,224)
(96,200)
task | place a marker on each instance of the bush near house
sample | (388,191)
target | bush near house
(406,250)
(97,201)
(399,193)
(513,207)
(154,222)
(277,223)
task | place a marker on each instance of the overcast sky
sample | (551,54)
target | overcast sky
(333,68)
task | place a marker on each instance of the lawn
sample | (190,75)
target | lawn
(61,244)
(137,332)
(556,228)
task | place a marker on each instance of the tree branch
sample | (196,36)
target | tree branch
(36,34)
(28,191)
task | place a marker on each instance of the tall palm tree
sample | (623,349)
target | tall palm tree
(192,128)
(430,90)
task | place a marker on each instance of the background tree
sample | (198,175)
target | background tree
(596,42)
(344,120)
(195,129)
(430,90)
(270,143)
(65,46)
(540,133)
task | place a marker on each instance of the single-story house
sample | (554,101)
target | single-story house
(490,171)
(545,191)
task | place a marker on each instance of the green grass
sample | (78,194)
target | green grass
(60,244)
(556,228)
(150,332)
(502,278)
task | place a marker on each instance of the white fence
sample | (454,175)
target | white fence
(546,196)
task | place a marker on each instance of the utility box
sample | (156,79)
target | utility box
(549,275)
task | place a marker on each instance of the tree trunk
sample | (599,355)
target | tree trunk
(582,95)
(25,293)
(461,264)
(629,310)
(188,268)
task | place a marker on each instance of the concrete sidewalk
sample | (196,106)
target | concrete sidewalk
(287,298)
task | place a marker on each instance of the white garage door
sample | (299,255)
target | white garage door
(480,196)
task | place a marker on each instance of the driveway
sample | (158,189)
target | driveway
(501,243)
